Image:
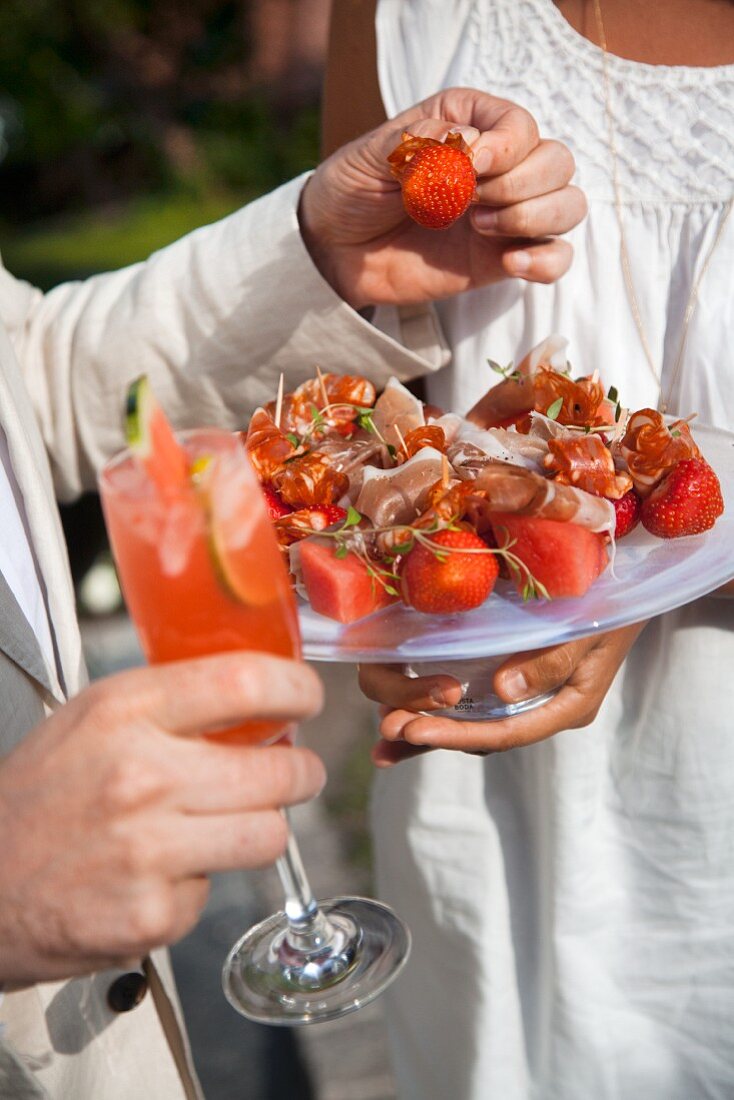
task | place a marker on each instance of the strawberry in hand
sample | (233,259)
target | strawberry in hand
(439,579)
(686,502)
(436,177)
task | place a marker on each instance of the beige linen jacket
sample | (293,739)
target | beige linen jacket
(213,319)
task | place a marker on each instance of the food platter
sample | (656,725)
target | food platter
(649,576)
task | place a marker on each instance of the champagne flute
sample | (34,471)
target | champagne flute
(202,573)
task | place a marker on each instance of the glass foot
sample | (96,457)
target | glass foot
(275,977)
(478,702)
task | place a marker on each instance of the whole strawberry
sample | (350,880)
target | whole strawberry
(686,502)
(627,509)
(437,178)
(439,579)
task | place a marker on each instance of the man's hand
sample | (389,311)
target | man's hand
(355,227)
(114,810)
(582,670)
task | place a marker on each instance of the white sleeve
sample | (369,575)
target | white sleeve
(212,319)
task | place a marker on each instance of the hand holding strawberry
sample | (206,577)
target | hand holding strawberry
(355,226)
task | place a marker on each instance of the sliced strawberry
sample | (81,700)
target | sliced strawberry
(440,579)
(307,521)
(324,515)
(627,509)
(437,178)
(686,502)
(277,507)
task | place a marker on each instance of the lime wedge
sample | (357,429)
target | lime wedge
(244,551)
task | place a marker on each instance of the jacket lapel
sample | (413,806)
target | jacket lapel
(17,639)
(31,468)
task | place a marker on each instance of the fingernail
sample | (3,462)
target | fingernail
(482,161)
(514,685)
(486,219)
(438,697)
(519,262)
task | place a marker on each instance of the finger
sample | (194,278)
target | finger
(561,712)
(509,141)
(160,912)
(190,697)
(438,129)
(386,754)
(549,167)
(544,216)
(389,685)
(537,263)
(507,132)
(221,779)
(525,675)
(189,899)
(230,842)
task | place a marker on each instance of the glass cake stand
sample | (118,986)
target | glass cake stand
(648,577)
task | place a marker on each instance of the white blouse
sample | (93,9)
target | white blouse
(572,903)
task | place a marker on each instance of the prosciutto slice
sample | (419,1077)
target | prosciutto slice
(514,396)
(515,489)
(495,444)
(397,412)
(586,462)
(400,494)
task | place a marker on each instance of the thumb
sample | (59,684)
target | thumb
(525,675)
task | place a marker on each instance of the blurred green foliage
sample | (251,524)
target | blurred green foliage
(126,123)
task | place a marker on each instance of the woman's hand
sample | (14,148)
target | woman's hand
(583,670)
(354,224)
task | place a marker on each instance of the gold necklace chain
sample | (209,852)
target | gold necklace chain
(624,251)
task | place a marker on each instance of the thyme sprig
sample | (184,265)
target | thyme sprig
(319,419)
(406,538)
(509,373)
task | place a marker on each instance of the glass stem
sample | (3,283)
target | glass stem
(308,929)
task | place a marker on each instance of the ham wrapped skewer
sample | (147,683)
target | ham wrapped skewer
(650,448)
(585,462)
(515,395)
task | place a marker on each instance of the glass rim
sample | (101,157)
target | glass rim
(105,476)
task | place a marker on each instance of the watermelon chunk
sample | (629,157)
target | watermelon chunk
(340,588)
(152,442)
(564,557)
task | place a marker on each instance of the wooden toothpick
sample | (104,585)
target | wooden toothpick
(444,472)
(279,402)
(401,439)
(322,384)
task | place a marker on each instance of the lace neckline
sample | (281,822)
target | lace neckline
(625,66)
